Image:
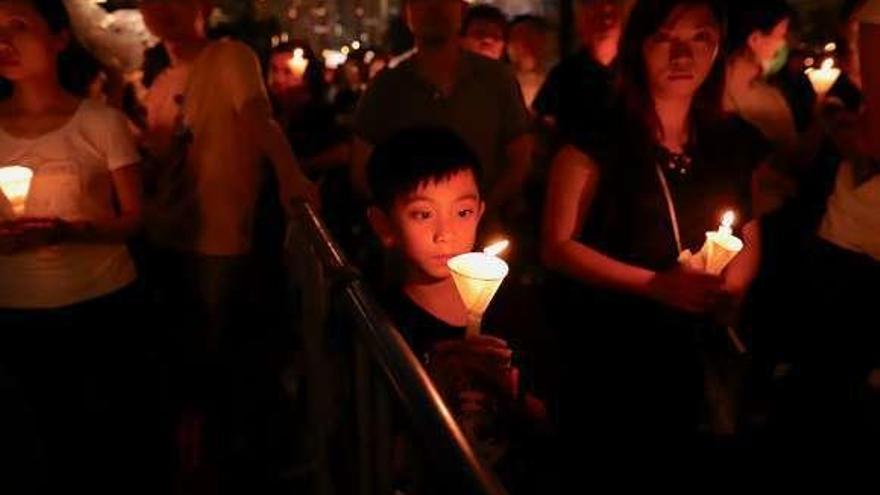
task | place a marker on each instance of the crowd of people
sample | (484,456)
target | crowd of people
(144,319)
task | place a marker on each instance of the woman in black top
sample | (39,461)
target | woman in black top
(669,162)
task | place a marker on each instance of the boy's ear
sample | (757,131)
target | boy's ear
(382,226)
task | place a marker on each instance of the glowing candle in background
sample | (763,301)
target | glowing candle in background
(824,77)
(298,63)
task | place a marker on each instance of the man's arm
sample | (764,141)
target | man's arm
(257,118)
(518,153)
(245,83)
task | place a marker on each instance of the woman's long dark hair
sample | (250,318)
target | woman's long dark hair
(77,68)
(646,18)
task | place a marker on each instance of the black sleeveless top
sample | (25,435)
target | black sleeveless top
(629,220)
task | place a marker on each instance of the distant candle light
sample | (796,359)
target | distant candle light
(824,77)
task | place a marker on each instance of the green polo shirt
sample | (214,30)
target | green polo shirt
(485,108)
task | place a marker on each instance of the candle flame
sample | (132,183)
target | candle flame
(827,64)
(497,248)
(728,219)
(298,63)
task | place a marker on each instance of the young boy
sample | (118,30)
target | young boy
(426,208)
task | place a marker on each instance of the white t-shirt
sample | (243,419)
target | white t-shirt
(71,181)
(852,220)
(223,163)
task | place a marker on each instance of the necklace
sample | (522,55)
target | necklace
(674,162)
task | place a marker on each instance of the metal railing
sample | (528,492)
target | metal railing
(381,357)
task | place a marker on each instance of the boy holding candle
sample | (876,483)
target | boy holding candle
(426,208)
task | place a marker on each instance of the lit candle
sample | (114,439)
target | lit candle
(824,77)
(722,246)
(477,277)
(298,63)
(15,182)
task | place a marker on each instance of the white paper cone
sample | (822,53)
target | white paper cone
(477,277)
(720,252)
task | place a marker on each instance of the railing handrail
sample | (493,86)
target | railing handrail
(399,364)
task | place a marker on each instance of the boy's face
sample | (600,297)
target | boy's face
(432,224)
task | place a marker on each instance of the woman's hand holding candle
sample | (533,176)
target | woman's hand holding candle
(722,246)
(687,290)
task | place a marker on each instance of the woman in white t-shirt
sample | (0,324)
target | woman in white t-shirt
(65,272)
(836,325)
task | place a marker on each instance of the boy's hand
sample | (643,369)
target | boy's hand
(470,363)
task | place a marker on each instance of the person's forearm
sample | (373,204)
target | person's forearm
(271,140)
(510,183)
(588,265)
(117,229)
(741,272)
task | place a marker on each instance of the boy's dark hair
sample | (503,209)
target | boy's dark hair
(748,16)
(534,21)
(416,156)
(483,12)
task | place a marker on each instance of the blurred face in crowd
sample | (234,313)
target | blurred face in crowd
(351,72)
(432,224)
(175,20)
(526,46)
(434,22)
(680,55)
(766,46)
(282,76)
(485,37)
(28,47)
(601,26)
